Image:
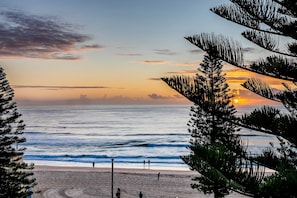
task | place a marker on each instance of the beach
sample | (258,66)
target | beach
(88,182)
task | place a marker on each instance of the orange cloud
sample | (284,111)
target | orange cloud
(157,79)
(57,87)
(154,62)
(133,54)
(182,72)
(187,64)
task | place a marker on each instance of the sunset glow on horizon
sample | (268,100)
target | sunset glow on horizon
(110,52)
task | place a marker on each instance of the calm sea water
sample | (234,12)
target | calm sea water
(80,135)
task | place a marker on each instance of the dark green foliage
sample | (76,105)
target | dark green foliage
(215,150)
(16,177)
(273,121)
(223,48)
(276,66)
(266,22)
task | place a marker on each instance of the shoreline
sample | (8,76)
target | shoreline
(119,169)
(174,167)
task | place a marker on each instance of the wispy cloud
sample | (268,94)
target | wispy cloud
(31,36)
(196,51)
(155,96)
(132,54)
(187,64)
(92,47)
(157,79)
(164,52)
(58,87)
(186,72)
(154,62)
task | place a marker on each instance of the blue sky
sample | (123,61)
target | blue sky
(105,50)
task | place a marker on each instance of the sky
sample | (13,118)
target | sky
(110,51)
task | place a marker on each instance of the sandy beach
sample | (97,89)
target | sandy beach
(88,182)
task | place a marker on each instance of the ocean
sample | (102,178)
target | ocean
(129,134)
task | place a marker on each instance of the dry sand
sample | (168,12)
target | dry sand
(84,182)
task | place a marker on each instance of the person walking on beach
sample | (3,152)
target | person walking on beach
(143,164)
(158,176)
(93,164)
(118,194)
(140,195)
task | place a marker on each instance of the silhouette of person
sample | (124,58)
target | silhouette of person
(93,164)
(140,194)
(158,176)
(143,164)
(118,194)
(149,164)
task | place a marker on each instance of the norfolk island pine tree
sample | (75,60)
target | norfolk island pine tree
(280,18)
(16,178)
(215,148)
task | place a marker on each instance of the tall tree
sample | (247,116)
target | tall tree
(215,146)
(267,20)
(16,177)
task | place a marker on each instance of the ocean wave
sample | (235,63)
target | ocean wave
(254,135)
(105,134)
(162,145)
(105,159)
(158,134)
(47,133)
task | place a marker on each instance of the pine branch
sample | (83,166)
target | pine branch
(277,67)
(237,15)
(269,120)
(238,172)
(264,40)
(267,12)
(224,48)
(276,158)
(267,42)
(289,7)
(230,51)
(184,85)
(289,99)
(260,87)
(292,48)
